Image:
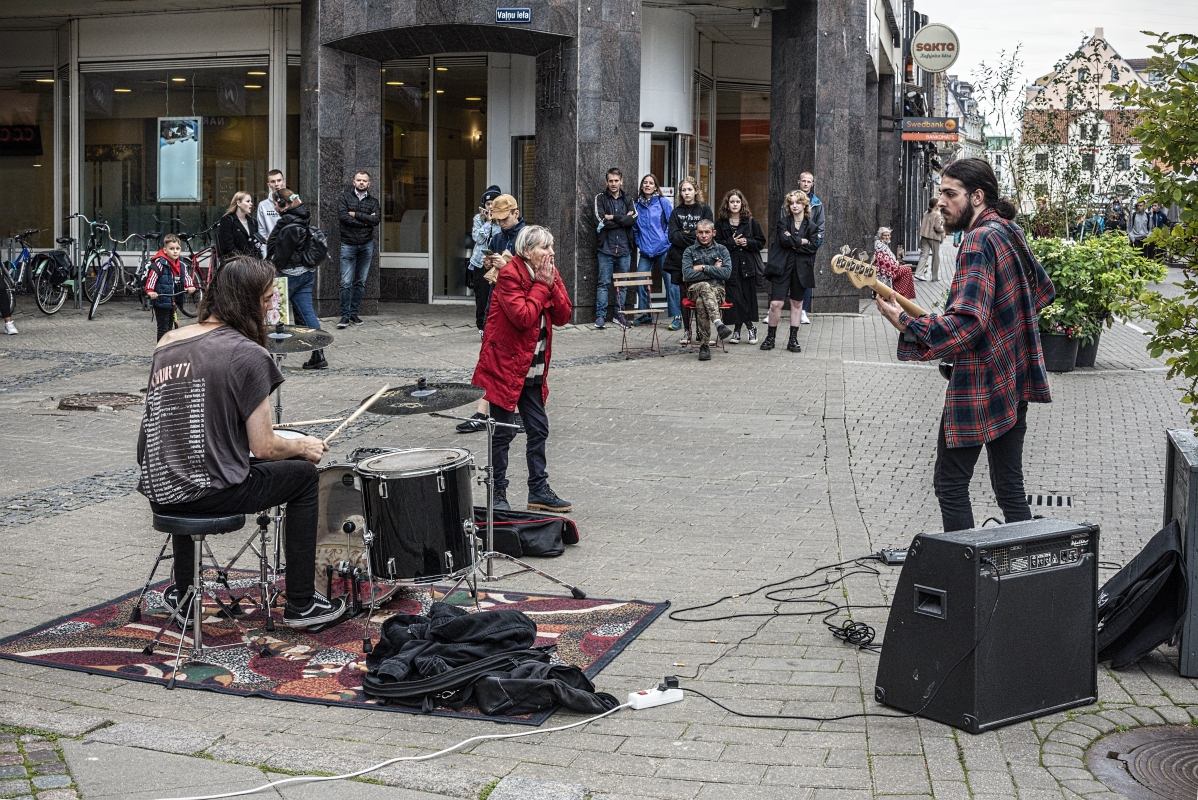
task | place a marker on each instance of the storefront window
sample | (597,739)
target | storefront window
(291,170)
(743,143)
(27,154)
(461,166)
(524,176)
(405,159)
(175,143)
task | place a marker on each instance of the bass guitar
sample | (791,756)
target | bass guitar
(865,276)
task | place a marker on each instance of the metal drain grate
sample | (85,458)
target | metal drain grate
(1148,763)
(98,401)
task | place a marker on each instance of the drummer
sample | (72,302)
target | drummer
(207,407)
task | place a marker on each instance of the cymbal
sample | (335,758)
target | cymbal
(297,339)
(423,397)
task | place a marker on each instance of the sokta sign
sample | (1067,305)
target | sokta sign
(935,47)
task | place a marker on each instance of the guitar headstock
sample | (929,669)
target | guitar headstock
(861,273)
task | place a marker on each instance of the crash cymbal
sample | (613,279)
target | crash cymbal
(296,339)
(423,397)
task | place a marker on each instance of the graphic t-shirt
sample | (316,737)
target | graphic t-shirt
(193,439)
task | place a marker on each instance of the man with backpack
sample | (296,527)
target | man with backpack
(359,213)
(296,250)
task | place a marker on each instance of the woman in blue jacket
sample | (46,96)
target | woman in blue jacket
(652,223)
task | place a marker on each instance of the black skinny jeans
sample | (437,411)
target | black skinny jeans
(482,295)
(954,471)
(270,483)
(536,432)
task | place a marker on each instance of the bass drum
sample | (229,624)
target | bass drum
(416,503)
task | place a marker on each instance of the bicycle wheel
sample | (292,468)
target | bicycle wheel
(49,297)
(102,277)
(91,272)
(112,274)
(189,304)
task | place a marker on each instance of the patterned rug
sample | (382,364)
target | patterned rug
(324,668)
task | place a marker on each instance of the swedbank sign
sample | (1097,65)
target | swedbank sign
(935,47)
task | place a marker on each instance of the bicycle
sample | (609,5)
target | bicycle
(50,292)
(134,283)
(16,271)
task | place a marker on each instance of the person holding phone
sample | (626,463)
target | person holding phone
(481,231)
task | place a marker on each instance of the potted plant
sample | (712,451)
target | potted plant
(1087,335)
(1059,324)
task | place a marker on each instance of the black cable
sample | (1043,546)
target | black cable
(917,712)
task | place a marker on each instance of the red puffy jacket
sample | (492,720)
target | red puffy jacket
(513,324)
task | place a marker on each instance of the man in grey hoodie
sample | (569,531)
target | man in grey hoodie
(706,264)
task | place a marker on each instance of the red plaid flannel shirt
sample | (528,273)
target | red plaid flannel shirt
(989,330)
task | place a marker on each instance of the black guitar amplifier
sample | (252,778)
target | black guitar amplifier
(1035,648)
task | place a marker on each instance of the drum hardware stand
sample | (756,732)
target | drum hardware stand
(367,540)
(489,554)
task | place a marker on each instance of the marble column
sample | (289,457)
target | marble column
(818,102)
(340,124)
(889,157)
(588,120)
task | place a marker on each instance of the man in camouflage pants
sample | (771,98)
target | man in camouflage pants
(705,266)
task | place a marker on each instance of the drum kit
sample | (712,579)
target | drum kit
(388,517)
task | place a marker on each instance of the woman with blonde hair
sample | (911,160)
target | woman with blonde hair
(237,231)
(791,268)
(681,233)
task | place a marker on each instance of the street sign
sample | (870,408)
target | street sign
(513,15)
(935,47)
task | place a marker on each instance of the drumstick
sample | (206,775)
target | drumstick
(308,422)
(361,410)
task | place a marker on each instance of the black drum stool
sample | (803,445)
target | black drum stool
(190,609)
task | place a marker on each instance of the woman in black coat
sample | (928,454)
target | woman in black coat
(237,231)
(740,233)
(791,268)
(681,233)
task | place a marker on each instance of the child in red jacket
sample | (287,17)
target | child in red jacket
(165,280)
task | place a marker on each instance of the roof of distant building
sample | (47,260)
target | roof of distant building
(1138,64)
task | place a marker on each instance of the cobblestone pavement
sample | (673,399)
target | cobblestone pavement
(690,481)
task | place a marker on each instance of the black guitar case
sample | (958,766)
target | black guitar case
(528,533)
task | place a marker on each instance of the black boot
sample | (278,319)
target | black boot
(793,345)
(768,342)
(316,361)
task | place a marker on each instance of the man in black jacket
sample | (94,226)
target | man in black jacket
(359,213)
(615,214)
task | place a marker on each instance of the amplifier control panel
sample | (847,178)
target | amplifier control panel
(1036,555)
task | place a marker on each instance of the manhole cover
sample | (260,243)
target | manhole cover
(1148,763)
(98,401)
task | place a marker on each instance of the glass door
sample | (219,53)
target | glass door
(405,157)
(459,166)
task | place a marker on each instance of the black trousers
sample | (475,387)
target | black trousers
(536,429)
(954,471)
(7,302)
(482,296)
(165,317)
(270,483)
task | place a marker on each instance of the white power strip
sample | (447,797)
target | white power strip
(648,698)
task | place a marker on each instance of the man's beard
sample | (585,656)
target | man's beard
(954,224)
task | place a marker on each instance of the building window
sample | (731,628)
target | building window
(1041,160)
(1124,161)
(1041,190)
(742,132)
(1083,75)
(27,154)
(1114,73)
(1088,161)
(998,159)
(172,143)
(405,159)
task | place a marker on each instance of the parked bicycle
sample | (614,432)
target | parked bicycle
(53,273)
(16,270)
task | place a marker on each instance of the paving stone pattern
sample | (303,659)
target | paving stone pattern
(31,766)
(690,481)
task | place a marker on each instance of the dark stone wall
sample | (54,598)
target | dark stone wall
(404,285)
(889,158)
(341,120)
(588,120)
(818,105)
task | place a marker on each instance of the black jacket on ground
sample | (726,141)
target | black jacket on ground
(742,284)
(615,238)
(681,232)
(232,238)
(358,229)
(790,254)
(289,236)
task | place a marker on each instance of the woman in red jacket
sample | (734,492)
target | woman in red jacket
(529,298)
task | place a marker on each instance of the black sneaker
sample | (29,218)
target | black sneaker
(343,322)
(704,352)
(172,596)
(356,320)
(723,331)
(319,612)
(473,425)
(547,500)
(501,503)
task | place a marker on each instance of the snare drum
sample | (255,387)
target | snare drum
(285,433)
(416,503)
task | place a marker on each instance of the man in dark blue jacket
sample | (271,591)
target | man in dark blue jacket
(615,214)
(359,213)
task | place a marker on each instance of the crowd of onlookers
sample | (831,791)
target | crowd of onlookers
(1138,220)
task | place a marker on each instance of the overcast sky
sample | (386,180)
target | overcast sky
(1050,29)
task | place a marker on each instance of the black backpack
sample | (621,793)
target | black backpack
(1144,604)
(313,251)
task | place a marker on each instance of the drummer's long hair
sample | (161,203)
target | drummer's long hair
(234,296)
